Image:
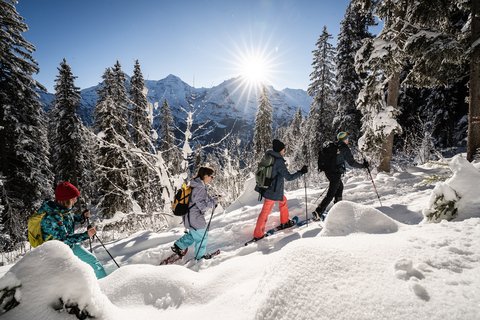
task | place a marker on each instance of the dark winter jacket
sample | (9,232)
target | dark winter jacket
(201,202)
(58,224)
(280,171)
(346,155)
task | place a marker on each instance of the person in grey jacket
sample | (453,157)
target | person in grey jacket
(195,221)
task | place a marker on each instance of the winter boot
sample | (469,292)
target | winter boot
(206,256)
(288,224)
(317,216)
(265,235)
(179,252)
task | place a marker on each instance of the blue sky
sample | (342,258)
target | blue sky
(202,42)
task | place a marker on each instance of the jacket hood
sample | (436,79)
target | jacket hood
(197,182)
(274,154)
(52,206)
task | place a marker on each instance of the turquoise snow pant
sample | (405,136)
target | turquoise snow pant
(194,236)
(84,255)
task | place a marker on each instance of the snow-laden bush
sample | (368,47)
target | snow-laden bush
(459,196)
(50,281)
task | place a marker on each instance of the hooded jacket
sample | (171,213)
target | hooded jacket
(58,223)
(280,171)
(201,202)
(345,154)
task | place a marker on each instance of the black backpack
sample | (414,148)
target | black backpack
(327,157)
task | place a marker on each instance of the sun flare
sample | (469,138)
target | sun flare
(255,70)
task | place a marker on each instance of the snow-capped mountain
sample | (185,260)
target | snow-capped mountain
(230,101)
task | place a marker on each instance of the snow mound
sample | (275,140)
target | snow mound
(47,274)
(347,217)
(249,197)
(457,197)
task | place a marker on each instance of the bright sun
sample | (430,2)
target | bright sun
(255,70)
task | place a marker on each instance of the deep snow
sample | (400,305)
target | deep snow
(363,262)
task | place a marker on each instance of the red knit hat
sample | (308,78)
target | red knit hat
(66,191)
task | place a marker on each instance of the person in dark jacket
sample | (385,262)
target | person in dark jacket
(335,188)
(58,224)
(195,220)
(275,192)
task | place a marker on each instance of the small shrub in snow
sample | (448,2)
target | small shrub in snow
(443,208)
(8,299)
(457,197)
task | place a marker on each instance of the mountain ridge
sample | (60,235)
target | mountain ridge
(231,101)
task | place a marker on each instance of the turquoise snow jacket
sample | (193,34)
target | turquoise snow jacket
(58,224)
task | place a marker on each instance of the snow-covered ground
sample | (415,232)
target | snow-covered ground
(365,261)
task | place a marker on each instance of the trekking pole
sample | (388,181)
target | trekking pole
(206,230)
(89,239)
(321,194)
(95,235)
(375,187)
(306,208)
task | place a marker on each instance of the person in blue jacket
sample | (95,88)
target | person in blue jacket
(195,221)
(275,192)
(335,187)
(58,224)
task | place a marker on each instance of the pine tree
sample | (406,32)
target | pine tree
(141,119)
(114,161)
(262,131)
(436,38)
(348,82)
(70,156)
(321,89)
(167,140)
(198,156)
(24,166)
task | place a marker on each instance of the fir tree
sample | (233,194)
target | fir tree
(24,166)
(114,161)
(436,39)
(70,156)
(262,131)
(348,82)
(321,89)
(141,128)
(167,140)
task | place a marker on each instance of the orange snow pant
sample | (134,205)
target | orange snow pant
(266,210)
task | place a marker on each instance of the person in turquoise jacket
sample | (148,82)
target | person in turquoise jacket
(58,223)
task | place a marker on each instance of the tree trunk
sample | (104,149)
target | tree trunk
(473,142)
(387,145)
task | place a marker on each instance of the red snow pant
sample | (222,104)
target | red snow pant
(266,210)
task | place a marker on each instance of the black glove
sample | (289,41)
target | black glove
(365,163)
(304,170)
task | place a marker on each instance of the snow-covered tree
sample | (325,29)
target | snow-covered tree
(262,131)
(69,149)
(348,82)
(321,89)
(141,123)
(24,166)
(114,160)
(435,38)
(168,148)
(198,156)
